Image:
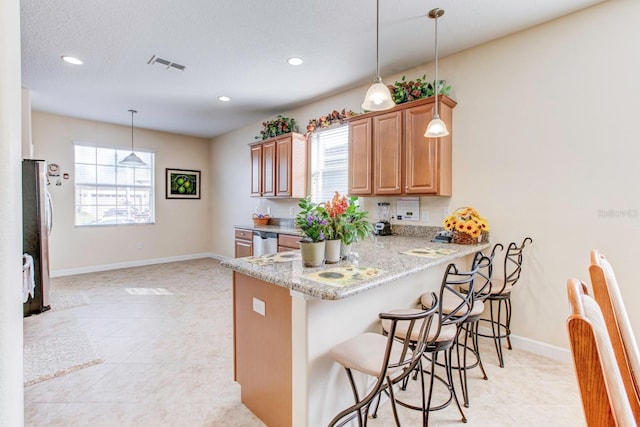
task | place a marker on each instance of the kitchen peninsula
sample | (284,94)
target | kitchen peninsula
(287,317)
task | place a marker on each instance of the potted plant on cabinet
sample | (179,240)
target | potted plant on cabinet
(279,126)
(312,220)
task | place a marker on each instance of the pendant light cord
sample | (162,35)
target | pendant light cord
(132,113)
(436,84)
(377,40)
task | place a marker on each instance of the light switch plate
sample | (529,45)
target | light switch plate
(259,306)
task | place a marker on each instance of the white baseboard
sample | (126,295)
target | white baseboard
(128,264)
(536,347)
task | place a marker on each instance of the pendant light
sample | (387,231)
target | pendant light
(378,97)
(436,127)
(132,159)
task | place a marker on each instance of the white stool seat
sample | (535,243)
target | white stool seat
(451,305)
(365,353)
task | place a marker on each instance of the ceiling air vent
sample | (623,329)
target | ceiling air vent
(169,65)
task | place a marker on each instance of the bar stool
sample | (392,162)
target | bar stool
(500,298)
(469,327)
(442,334)
(388,359)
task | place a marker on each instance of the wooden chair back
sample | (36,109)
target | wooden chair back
(607,294)
(604,398)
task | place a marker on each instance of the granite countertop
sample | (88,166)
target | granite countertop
(279,229)
(377,260)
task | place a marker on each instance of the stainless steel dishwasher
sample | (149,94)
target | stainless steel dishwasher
(264,242)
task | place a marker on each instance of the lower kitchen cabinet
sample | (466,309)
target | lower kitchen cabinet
(243,243)
(287,242)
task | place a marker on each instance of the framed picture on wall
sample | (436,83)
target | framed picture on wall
(182,184)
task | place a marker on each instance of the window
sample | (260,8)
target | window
(109,194)
(329,151)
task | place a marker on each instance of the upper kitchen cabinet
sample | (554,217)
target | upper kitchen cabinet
(263,158)
(389,155)
(279,166)
(360,157)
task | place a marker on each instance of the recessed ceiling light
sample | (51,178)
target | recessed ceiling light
(224,98)
(294,60)
(72,60)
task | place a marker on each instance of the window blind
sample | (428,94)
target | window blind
(109,194)
(329,155)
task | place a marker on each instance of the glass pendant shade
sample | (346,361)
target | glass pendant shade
(378,97)
(132,159)
(436,128)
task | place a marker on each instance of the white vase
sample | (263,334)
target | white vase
(332,251)
(345,250)
(312,253)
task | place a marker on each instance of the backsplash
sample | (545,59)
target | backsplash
(426,231)
(283,222)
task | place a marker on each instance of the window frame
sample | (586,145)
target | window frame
(120,152)
(315,149)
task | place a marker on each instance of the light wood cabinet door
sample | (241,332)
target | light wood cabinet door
(256,170)
(279,167)
(269,169)
(243,248)
(422,157)
(387,153)
(284,166)
(360,158)
(288,242)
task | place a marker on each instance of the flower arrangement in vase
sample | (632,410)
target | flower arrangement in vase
(312,221)
(467,226)
(347,221)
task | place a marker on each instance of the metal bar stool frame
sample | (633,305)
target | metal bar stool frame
(452,280)
(410,359)
(501,296)
(469,328)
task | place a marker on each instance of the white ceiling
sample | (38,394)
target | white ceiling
(239,48)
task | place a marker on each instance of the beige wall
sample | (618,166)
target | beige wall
(182,228)
(545,145)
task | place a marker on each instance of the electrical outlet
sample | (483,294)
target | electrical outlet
(291,211)
(259,306)
(425,216)
(446,212)
(139,245)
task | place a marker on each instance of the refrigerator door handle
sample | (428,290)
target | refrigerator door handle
(49,212)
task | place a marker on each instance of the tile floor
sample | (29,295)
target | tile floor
(164,333)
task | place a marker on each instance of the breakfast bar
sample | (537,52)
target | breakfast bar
(287,318)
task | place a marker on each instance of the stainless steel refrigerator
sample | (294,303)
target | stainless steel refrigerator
(36,225)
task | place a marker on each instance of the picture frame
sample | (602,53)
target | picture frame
(182,184)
